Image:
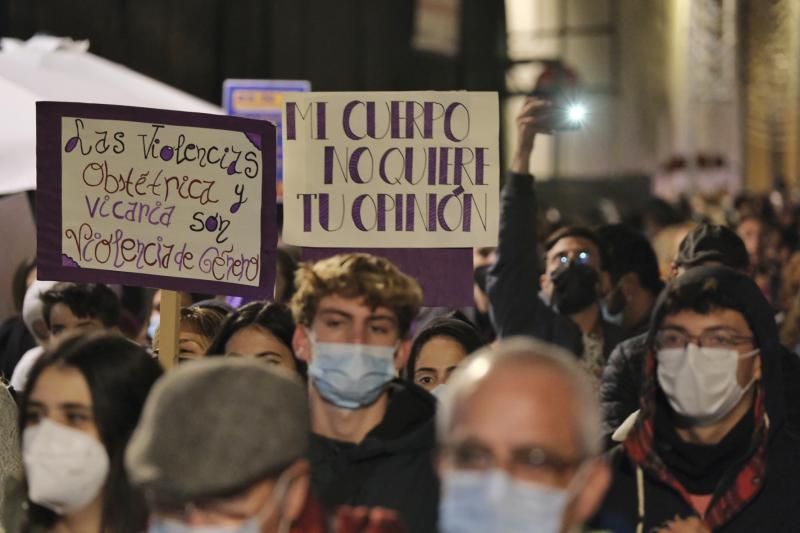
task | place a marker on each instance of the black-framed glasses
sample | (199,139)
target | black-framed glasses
(669,338)
(526,462)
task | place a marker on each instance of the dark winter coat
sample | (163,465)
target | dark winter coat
(758,490)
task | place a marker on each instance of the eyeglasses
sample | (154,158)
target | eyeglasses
(582,257)
(525,463)
(669,338)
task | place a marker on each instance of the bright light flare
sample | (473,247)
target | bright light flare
(577,113)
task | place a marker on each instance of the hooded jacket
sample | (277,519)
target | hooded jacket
(513,281)
(622,384)
(392,467)
(757,489)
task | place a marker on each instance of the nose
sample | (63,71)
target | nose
(359,335)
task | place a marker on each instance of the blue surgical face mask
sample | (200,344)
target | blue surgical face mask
(491,501)
(351,376)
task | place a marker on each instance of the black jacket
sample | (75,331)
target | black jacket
(774,504)
(622,384)
(393,467)
(513,281)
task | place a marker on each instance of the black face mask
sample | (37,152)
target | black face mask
(574,288)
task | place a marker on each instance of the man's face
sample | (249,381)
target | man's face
(350,320)
(270,503)
(534,441)
(62,320)
(567,250)
(719,326)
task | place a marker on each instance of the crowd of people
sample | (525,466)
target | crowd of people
(603,381)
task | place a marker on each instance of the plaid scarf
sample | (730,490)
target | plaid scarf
(724,505)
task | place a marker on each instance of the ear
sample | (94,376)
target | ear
(546,284)
(403,352)
(629,283)
(297,492)
(605,282)
(588,500)
(757,367)
(301,344)
(673,271)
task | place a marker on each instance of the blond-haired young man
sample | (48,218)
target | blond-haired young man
(373,435)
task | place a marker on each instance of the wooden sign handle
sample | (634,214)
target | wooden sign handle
(168,328)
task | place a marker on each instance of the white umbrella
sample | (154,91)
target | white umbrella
(50,68)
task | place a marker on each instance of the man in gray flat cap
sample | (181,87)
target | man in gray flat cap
(221,444)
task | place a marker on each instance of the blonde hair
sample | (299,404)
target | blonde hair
(356,275)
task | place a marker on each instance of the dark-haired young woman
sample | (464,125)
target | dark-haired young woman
(259,329)
(82,402)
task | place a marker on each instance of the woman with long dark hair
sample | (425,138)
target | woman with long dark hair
(261,330)
(80,407)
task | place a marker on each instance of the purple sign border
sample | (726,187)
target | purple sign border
(48,196)
(445,274)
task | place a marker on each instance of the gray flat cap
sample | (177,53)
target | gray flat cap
(213,427)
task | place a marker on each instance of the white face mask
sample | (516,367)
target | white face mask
(491,501)
(700,383)
(65,467)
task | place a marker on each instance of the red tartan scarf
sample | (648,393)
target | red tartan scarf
(725,504)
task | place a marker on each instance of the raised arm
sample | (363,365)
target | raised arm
(513,281)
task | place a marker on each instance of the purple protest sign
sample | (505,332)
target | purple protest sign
(391,169)
(157,198)
(413,176)
(445,274)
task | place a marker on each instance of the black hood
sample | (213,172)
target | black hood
(734,290)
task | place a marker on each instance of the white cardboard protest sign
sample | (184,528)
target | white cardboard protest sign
(159,198)
(391,169)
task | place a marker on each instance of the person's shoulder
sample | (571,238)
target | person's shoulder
(630,347)
(635,344)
